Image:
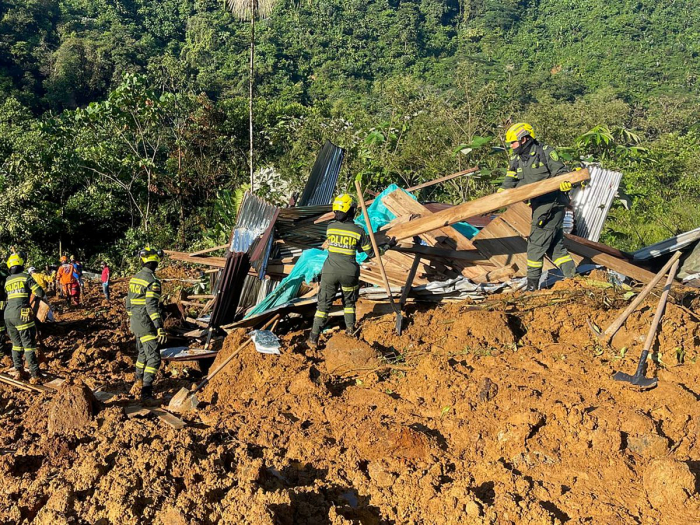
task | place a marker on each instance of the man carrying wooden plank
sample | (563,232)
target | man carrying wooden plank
(534,162)
(344,239)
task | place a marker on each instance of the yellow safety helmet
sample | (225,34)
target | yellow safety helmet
(518,131)
(343,203)
(149,254)
(15,259)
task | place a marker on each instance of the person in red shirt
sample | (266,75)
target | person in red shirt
(105,279)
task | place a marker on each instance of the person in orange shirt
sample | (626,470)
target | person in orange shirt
(68,281)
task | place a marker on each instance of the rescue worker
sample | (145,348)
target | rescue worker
(143,307)
(344,239)
(19,317)
(68,281)
(534,162)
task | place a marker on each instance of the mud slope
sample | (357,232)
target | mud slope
(506,414)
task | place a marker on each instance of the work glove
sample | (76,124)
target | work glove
(565,186)
(162,336)
(25,314)
(392,242)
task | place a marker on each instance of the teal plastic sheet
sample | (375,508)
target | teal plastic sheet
(305,270)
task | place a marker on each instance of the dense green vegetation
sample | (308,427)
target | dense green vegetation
(125,120)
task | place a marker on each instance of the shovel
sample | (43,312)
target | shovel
(638,378)
(397,309)
(186,400)
(606,336)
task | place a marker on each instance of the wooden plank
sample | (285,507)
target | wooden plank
(201,296)
(484,205)
(24,385)
(613,263)
(442,179)
(209,250)
(55,383)
(399,203)
(136,411)
(600,247)
(169,419)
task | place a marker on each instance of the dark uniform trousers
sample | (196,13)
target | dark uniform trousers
(142,306)
(22,328)
(341,271)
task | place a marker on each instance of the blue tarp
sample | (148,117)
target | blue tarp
(309,265)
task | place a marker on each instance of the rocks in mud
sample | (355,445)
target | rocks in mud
(71,409)
(650,446)
(347,356)
(668,483)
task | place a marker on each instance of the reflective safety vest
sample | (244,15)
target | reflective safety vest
(19,288)
(143,303)
(344,240)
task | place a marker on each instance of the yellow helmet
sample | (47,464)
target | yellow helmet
(15,259)
(343,203)
(149,254)
(518,131)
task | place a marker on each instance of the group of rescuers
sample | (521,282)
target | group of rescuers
(530,162)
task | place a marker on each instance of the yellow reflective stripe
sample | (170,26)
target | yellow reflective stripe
(34,287)
(15,279)
(562,260)
(139,364)
(150,370)
(139,281)
(321,315)
(29,350)
(154,316)
(366,247)
(16,348)
(153,294)
(344,251)
(128,313)
(513,174)
(147,338)
(349,310)
(349,288)
(355,235)
(25,326)
(534,264)
(138,301)
(11,296)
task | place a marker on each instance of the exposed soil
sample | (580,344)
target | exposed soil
(506,413)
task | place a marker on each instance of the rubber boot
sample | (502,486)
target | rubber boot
(532,285)
(18,374)
(147,398)
(136,387)
(35,379)
(312,341)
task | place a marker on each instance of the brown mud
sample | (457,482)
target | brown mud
(504,414)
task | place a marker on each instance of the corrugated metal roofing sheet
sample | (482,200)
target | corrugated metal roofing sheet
(592,204)
(254,217)
(669,245)
(320,187)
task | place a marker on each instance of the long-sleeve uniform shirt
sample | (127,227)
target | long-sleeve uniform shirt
(539,163)
(344,240)
(143,303)
(19,288)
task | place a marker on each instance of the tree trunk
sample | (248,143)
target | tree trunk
(251,81)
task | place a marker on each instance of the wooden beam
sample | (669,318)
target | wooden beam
(486,204)
(442,179)
(440,253)
(209,250)
(600,247)
(613,263)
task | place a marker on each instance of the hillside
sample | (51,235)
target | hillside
(399,84)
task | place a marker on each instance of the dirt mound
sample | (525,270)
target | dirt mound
(71,409)
(347,356)
(502,413)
